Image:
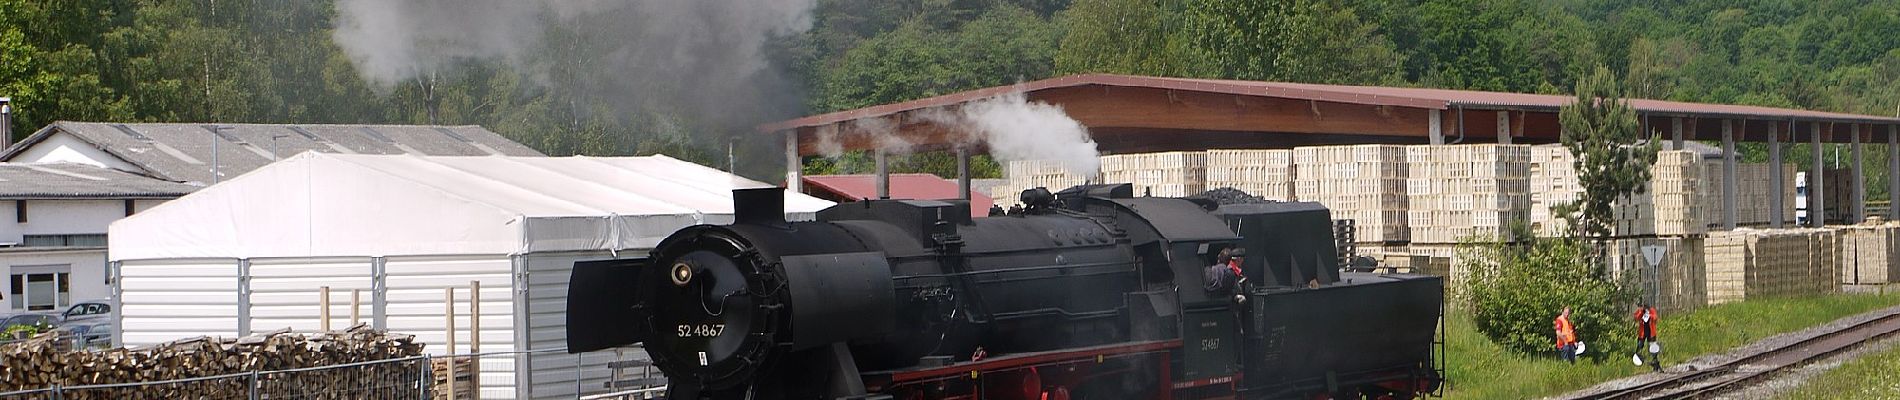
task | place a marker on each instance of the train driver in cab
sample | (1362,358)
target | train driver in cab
(1224,277)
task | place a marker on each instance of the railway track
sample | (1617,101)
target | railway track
(1742,371)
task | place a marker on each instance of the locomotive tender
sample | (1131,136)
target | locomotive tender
(1092,293)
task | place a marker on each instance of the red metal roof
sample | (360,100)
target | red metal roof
(1368,95)
(903,186)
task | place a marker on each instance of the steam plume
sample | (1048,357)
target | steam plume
(1016,129)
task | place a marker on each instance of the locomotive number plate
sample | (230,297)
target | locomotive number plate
(701,330)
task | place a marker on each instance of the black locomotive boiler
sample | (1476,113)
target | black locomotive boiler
(1090,293)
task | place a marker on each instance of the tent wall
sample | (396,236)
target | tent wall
(546,314)
(285,292)
(415,286)
(166,300)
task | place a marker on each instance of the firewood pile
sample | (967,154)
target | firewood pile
(42,362)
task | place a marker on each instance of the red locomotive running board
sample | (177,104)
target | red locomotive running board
(1013,361)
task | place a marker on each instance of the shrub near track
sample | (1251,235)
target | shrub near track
(1483,369)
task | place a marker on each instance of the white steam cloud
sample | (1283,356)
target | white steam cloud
(1016,130)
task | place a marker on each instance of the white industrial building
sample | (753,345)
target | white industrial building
(53,219)
(249,255)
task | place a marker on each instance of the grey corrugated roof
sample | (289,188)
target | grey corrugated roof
(182,152)
(80,181)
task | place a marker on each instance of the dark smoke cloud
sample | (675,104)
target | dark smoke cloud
(701,59)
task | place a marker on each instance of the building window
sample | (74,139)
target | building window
(42,291)
(79,240)
(19,211)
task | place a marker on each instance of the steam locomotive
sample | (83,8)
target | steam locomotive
(1088,293)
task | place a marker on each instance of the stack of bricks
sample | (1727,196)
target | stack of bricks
(1678,281)
(1363,183)
(1749,263)
(1553,182)
(1753,185)
(1675,193)
(1266,174)
(1027,174)
(1171,174)
(1868,253)
(1466,191)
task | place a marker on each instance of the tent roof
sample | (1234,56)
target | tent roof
(320,204)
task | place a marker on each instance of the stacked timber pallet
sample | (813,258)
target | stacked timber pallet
(1749,263)
(1170,174)
(1675,187)
(1266,174)
(1869,252)
(1553,182)
(1026,174)
(1753,185)
(1466,191)
(1363,183)
(41,362)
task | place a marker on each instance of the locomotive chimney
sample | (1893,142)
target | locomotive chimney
(759,206)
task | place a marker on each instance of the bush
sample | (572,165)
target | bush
(1516,290)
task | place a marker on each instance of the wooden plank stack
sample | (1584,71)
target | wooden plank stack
(1869,252)
(1170,174)
(1266,174)
(1748,263)
(1460,191)
(1363,183)
(464,378)
(1753,185)
(1553,182)
(39,363)
(1675,187)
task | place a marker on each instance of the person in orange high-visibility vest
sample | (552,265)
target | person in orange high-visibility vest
(1566,337)
(1646,336)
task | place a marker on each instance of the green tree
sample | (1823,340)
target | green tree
(1321,41)
(1612,157)
(1125,37)
(1515,290)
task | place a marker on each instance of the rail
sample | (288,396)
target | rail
(1729,375)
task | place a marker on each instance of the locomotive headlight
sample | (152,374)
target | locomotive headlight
(682,274)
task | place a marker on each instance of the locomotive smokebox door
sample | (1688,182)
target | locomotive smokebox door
(600,311)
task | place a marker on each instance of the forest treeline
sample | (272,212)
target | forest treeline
(274,61)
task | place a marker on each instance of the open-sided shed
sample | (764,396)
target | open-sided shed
(250,254)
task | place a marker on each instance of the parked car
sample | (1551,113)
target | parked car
(89,334)
(45,321)
(87,311)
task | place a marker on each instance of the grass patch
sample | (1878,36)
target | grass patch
(1480,369)
(1872,376)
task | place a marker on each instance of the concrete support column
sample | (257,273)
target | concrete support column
(1858,193)
(883,176)
(1675,132)
(1817,179)
(1776,188)
(1437,128)
(794,165)
(1504,127)
(963,173)
(1893,170)
(1728,174)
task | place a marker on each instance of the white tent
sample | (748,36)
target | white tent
(250,254)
